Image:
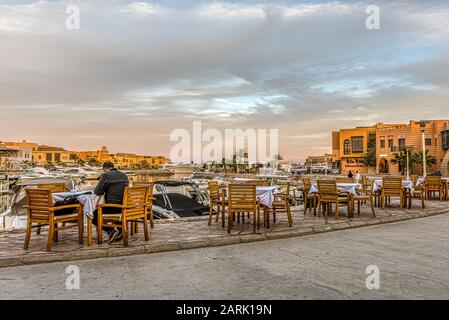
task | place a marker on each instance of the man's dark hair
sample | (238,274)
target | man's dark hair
(108,165)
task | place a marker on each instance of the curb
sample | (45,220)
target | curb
(88,254)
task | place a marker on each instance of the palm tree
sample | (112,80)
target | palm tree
(417,158)
(400,159)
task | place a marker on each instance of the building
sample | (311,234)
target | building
(98,155)
(372,149)
(55,155)
(393,139)
(319,160)
(13,156)
(350,148)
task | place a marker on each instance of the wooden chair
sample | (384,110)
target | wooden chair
(362,196)
(392,187)
(54,188)
(150,199)
(216,198)
(328,194)
(242,198)
(310,200)
(263,183)
(134,209)
(433,185)
(281,204)
(41,210)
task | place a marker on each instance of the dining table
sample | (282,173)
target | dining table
(407,184)
(342,187)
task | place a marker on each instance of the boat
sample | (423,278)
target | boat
(179,199)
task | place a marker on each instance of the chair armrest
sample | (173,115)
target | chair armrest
(65,207)
(110,205)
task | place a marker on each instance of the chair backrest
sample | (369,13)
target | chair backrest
(327,189)
(41,201)
(392,185)
(307,184)
(149,186)
(214,190)
(344,180)
(136,197)
(54,187)
(257,182)
(433,182)
(414,178)
(242,197)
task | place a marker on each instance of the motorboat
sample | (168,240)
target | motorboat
(179,199)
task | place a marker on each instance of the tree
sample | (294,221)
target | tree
(93,162)
(417,158)
(369,159)
(400,158)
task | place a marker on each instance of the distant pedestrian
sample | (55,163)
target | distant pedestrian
(350,175)
(357,176)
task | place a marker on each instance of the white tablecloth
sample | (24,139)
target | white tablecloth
(266,194)
(420,181)
(88,201)
(341,186)
(405,184)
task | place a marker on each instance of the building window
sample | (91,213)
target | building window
(347,147)
(428,141)
(48,157)
(445,140)
(382,144)
(390,143)
(57,157)
(357,144)
(401,143)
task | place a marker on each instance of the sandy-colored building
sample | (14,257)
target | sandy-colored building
(47,154)
(349,147)
(101,155)
(394,138)
(319,160)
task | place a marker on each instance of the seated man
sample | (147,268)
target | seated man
(112,185)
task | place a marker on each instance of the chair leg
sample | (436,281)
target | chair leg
(371,200)
(230,219)
(254,221)
(80,226)
(289,216)
(210,213)
(51,228)
(223,215)
(336,210)
(151,218)
(145,228)
(28,235)
(100,226)
(218,213)
(89,231)
(55,233)
(125,232)
(38,230)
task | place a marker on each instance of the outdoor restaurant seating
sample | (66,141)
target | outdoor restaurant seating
(242,198)
(280,204)
(41,211)
(134,209)
(328,194)
(432,185)
(392,187)
(344,180)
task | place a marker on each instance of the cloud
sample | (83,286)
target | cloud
(141,69)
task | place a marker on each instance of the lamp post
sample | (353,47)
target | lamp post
(422,126)
(407,151)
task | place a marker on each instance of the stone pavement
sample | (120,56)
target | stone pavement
(195,233)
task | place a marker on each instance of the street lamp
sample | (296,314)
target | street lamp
(407,151)
(422,126)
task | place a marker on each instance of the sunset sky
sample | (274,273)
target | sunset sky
(135,71)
